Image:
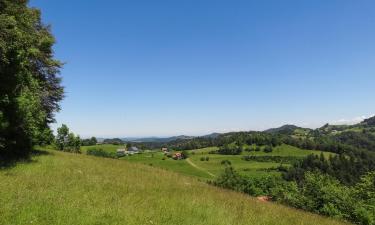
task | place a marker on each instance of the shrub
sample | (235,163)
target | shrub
(226,162)
(319,193)
(268,149)
(101,153)
(185,154)
(231,149)
(270,158)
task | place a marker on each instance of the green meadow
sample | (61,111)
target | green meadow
(65,188)
(213,167)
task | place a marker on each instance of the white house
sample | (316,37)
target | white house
(121,152)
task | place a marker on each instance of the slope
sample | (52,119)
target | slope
(62,188)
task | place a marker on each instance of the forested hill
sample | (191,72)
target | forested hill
(354,146)
(332,138)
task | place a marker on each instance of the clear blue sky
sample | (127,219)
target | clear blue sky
(167,67)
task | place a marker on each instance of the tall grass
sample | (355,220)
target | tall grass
(63,189)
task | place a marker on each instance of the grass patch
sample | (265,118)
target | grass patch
(64,189)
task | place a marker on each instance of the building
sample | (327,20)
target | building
(133,149)
(177,156)
(121,152)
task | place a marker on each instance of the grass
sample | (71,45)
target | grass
(287,150)
(213,166)
(156,159)
(63,189)
(105,147)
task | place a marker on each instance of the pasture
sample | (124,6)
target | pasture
(65,188)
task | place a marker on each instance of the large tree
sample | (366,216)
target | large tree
(30,88)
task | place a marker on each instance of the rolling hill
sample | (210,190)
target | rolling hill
(64,188)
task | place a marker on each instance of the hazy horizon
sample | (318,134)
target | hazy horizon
(166,68)
(341,121)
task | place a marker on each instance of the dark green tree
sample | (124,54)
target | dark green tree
(30,88)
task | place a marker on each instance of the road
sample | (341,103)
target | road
(199,168)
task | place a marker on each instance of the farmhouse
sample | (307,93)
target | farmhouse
(121,152)
(165,150)
(133,149)
(177,156)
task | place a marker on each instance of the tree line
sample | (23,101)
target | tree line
(30,85)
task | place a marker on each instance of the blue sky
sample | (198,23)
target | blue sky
(159,68)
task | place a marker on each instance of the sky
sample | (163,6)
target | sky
(166,67)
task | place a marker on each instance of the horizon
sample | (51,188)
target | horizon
(352,121)
(141,69)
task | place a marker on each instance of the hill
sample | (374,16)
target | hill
(63,188)
(162,140)
(286,129)
(369,122)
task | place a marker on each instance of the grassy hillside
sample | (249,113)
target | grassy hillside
(62,188)
(213,167)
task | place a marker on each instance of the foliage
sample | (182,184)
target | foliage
(346,168)
(89,142)
(226,162)
(205,158)
(76,189)
(267,158)
(30,88)
(67,141)
(268,149)
(185,154)
(230,149)
(319,193)
(101,153)
(113,141)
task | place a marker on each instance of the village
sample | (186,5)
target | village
(131,150)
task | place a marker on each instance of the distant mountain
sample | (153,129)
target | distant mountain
(213,135)
(158,139)
(286,129)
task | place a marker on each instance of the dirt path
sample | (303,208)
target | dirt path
(199,168)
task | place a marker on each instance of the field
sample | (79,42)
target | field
(213,167)
(63,189)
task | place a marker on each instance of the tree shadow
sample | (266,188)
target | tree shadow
(9,163)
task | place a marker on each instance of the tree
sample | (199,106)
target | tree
(185,154)
(67,141)
(30,88)
(93,141)
(46,137)
(268,149)
(62,137)
(89,142)
(76,144)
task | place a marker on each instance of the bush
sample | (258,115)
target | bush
(318,193)
(205,158)
(101,153)
(231,149)
(185,154)
(270,158)
(268,149)
(226,162)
